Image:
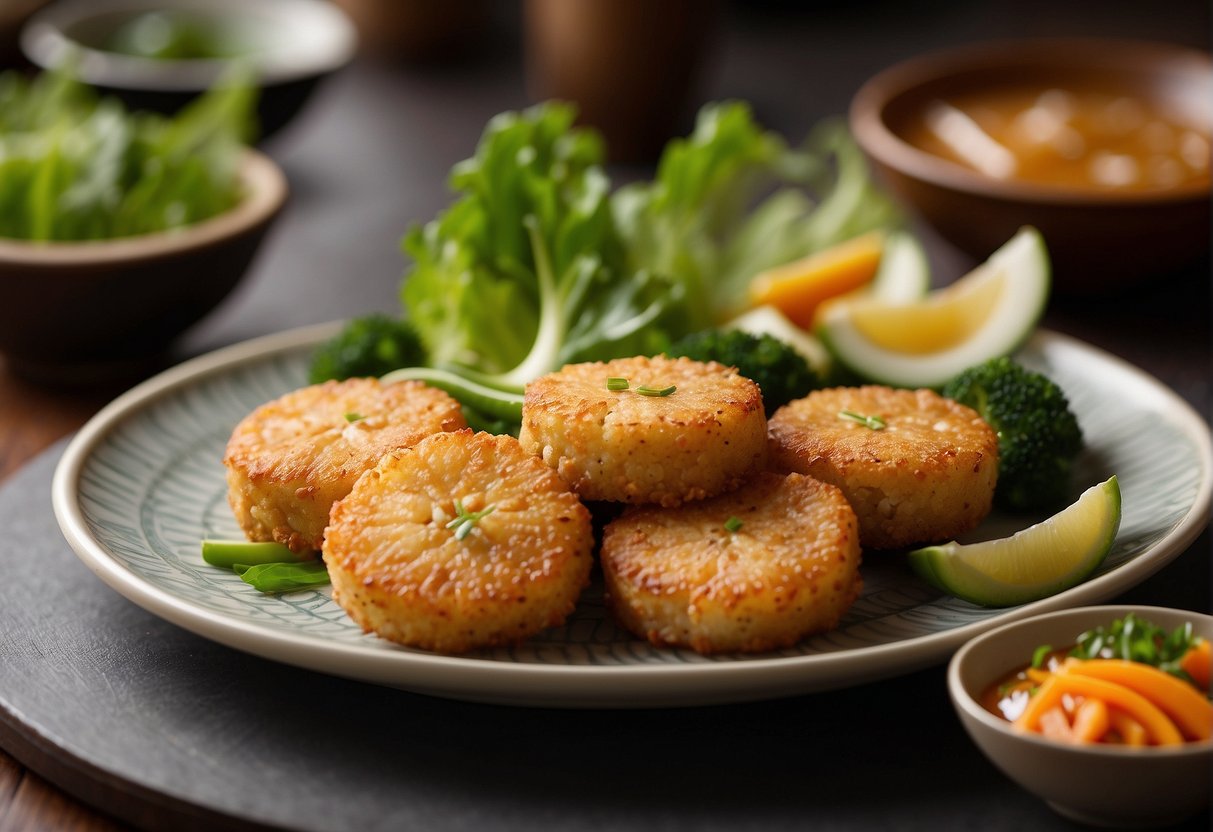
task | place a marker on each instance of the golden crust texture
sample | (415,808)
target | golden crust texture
(702,440)
(678,577)
(291,459)
(926,477)
(399,569)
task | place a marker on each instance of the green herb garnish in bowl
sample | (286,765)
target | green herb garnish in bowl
(120,229)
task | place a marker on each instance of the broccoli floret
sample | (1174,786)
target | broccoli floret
(1038,435)
(780,371)
(369,346)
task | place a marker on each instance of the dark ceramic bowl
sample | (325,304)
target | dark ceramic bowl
(291,44)
(1097,238)
(72,310)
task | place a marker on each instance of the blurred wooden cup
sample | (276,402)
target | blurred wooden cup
(629,65)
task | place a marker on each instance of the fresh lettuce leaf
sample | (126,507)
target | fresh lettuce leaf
(732,200)
(526,270)
(536,263)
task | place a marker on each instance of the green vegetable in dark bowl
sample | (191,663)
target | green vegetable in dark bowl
(780,371)
(1038,435)
(75,167)
(178,35)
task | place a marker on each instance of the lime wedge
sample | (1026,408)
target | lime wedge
(1035,563)
(925,341)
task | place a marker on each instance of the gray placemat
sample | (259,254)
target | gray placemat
(167,730)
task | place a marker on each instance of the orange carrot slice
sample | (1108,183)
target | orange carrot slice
(1184,704)
(1130,730)
(1091,721)
(799,287)
(1160,730)
(1196,663)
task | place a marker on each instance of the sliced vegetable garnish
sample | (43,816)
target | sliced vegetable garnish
(1134,639)
(353,417)
(285,577)
(659,392)
(465,520)
(228,553)
(617,384)
(733,525)
(871,422)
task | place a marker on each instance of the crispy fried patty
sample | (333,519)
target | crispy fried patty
(291,459)
(619,445)
(680,577)
(402,568)
(927,476)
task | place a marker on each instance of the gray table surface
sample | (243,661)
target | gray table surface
(111,701)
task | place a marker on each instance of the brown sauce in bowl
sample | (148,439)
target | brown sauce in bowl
(1082,137)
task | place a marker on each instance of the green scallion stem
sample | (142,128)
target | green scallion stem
(656,391)
(497,404)
(353,417)
(228,553)
(733,525)
(614,383)
(871,422)
(465,521)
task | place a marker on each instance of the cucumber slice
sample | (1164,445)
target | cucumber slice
(1035,563)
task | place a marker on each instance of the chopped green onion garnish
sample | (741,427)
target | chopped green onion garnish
(1137,640)
(284,577)
(1040,654)
(871,422)
(656,391)
(465,521)
(614,383)
(228,553)
(733,524)
(353,417)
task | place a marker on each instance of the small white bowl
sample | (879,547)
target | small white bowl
(1106,786)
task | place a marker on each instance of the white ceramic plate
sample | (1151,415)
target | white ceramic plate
(143,482)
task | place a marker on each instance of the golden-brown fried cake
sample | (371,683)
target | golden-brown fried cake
(927,476)
(699,441)
(679,577)
(291,459)
(405,566)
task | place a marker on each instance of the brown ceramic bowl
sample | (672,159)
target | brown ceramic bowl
(68,309)
(1097,238)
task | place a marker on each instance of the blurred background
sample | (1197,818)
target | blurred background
(366,145)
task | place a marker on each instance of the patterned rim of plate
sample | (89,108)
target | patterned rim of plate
(92,495)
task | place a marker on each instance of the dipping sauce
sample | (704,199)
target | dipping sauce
(1071,137)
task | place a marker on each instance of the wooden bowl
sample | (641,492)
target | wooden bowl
(67,308)
(1097,237)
